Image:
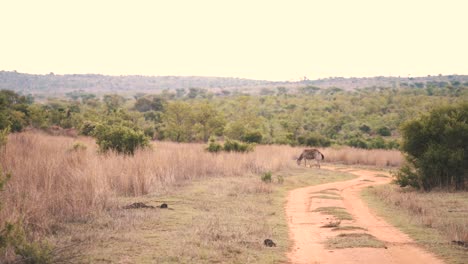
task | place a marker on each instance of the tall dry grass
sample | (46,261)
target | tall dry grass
(444,211)
(53,183)
(355,156)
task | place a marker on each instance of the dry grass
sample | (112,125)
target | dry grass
(355,156)
(53,184)
(214,220)
(446,212)
(432,219)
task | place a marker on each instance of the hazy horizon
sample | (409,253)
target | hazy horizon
(261,40)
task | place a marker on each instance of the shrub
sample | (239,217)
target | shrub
(314,140)
(266,177)
(365,128)
(214,146)
(384,131)
(120,139)
(236,146)
(253,137)
(87,128)
(377,143)
(437,149)
(357,143)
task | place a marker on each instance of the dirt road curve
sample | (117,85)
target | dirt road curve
(308,235)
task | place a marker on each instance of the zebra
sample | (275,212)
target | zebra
(310,154)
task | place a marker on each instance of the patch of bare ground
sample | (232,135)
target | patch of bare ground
(436,220)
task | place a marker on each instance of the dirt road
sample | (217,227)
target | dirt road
(309,237)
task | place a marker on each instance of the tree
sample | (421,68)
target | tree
(436,147)
(208,120)
(113,102)
(178,122)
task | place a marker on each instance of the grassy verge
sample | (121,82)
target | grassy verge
(433,220)
(213,220)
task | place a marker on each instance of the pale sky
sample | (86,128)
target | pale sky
(270,40)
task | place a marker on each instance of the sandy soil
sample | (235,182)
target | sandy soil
(308,235)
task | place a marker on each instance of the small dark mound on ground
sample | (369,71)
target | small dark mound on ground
(164,205)
(137,206)
(269,243)
(460,243)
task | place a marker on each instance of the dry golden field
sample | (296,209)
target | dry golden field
(54,181)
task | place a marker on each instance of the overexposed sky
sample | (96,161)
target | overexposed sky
(271,40)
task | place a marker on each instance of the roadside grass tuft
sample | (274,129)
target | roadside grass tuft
(327,197)
(354,240)
(348,228)
(338,212)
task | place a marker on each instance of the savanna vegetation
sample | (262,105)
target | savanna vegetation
(364,118)
(68,162)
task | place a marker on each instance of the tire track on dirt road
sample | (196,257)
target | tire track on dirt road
(305,226)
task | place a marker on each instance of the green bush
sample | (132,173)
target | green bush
(87,128)
(377,143)
(214,146)
(253,137)
(120,139)
(357,143)
(266,177)
(236,146)
(384,131)
(313,140)
(13,238)
(436,147)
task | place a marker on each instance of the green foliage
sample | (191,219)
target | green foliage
(437,149)
(30,252)
(266,177)
(214,146)
(313,140)
(154,103)
(365,128)
(120,139)
(237,146)
(384,131)
(252,137)
(87,128)
(357,143)
(13,110)
(113,102)
(178,122)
